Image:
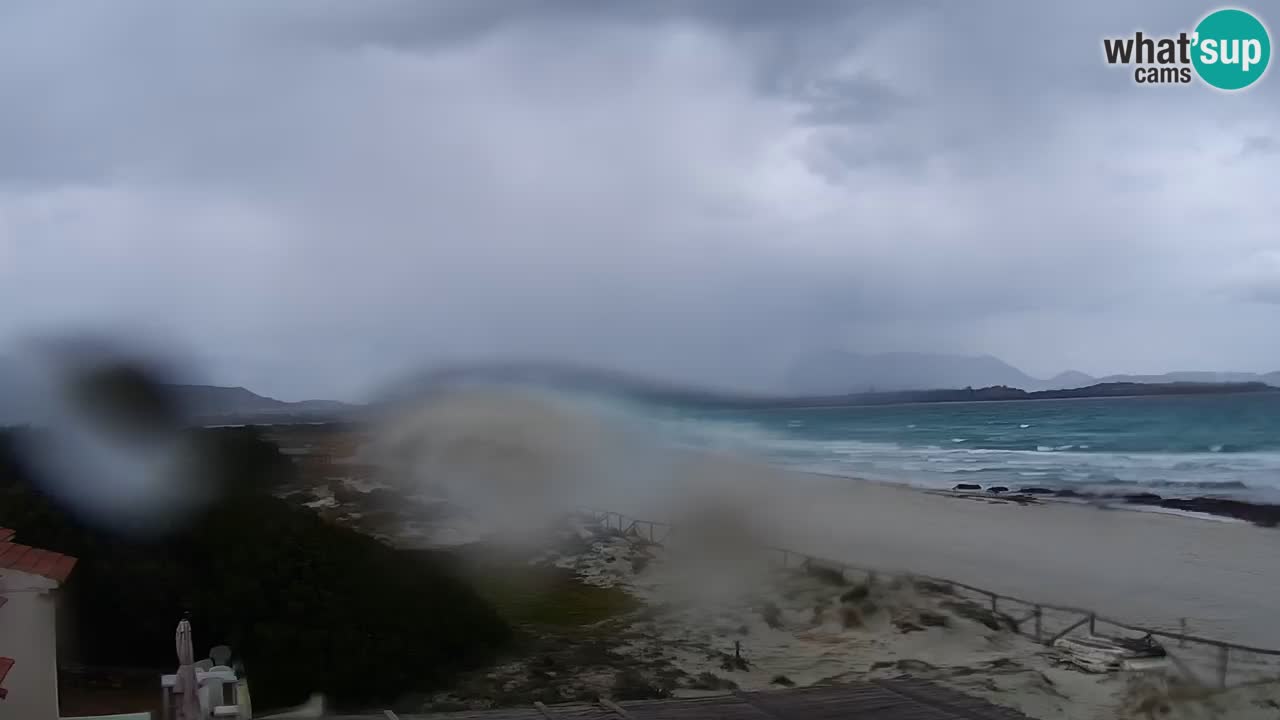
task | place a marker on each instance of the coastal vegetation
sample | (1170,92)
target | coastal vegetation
(307,605)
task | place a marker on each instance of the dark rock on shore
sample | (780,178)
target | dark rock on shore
(1256,513)
(1142,498)
(1143,647)
(998,489)
(1262,514)
(967,486)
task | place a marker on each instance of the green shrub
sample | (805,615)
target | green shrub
(308,606)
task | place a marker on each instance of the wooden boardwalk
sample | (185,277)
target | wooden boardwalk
(900,699)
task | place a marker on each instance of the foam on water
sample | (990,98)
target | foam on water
(1110,446)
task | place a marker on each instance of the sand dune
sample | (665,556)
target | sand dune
(791,627)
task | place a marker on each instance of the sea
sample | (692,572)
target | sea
(1179,446)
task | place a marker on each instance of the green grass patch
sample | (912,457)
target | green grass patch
(549,596)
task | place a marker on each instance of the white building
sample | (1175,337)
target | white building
(29,578)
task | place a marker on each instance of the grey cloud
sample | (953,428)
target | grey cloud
(313,196)
(426,25)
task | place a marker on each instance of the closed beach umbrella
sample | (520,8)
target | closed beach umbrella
(185,687)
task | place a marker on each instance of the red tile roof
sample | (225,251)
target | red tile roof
(5,664)
(15,556)
(47,563)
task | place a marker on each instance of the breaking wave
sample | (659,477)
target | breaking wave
(1077,445)
(502,448)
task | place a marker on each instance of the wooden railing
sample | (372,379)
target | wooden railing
(657,532)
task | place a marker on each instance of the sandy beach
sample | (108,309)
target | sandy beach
(792,626)
(1150,568)
(517,458)
(705,587)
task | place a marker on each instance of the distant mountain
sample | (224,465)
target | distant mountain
(1199,376)
(832,377)
(999,393)
(839,372)
(211,402)
(201,404)
(1069,379)
(836,372)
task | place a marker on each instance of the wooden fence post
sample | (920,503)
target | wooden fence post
(1182,623)
(1038,613)
(1093,619)
(1063,633)
(1222,666)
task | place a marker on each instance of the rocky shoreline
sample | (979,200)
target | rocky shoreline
(1261,514)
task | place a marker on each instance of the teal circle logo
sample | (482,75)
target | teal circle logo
(1232,49)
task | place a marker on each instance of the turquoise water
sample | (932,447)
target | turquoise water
(1226,445)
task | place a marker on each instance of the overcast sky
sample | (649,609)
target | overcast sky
(309,197)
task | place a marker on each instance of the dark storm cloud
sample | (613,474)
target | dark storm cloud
(417,25)
(312,196)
